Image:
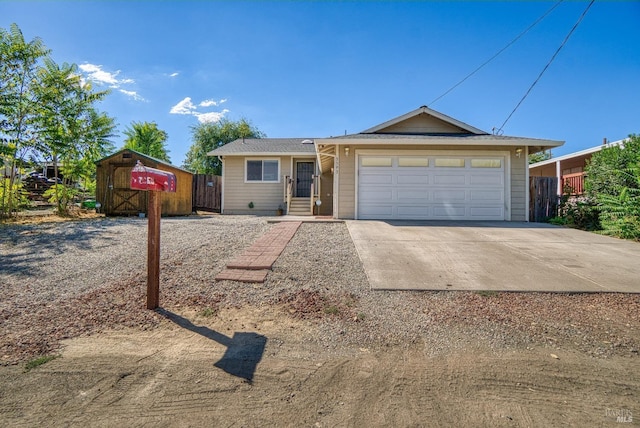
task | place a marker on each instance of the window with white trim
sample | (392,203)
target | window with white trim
(262,170)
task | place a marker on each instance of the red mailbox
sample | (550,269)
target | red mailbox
(145,178)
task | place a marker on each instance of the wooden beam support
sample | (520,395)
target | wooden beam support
(153,250)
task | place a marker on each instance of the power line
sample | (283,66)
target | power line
(499,130)
(499,52)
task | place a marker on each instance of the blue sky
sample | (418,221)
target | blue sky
(323,68)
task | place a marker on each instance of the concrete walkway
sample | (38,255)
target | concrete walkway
(500,256)
(255,263)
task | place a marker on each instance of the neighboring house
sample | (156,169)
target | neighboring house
(422,165)
(569,169)
(113,186)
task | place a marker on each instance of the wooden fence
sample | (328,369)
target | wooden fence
(544,199)
(207,192)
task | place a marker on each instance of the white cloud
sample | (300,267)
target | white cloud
(174,74)
(208,103)
(184,107)
(213,116)
(132,94)
(96,74)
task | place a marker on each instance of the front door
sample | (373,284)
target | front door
(304,177)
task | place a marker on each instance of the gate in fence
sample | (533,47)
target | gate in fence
(207,192)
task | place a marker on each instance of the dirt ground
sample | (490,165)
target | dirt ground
(295,352)
(259,367)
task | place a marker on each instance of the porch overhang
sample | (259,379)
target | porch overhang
(325,154)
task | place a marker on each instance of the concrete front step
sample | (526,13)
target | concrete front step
(300,206)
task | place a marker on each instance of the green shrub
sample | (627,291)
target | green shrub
(581,212)
(38,362)
(61,196)
(620,215)
(16,194)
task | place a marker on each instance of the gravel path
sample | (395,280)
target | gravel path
(60,280)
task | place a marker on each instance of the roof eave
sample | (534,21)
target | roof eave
(245,154)
(584,152)
(546,144)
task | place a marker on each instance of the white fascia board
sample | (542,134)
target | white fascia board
(440,142)
(272,154)
(576,154)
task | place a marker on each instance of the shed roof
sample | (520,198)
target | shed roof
(144,156)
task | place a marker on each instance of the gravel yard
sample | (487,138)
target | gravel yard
(334,352)
(60,280)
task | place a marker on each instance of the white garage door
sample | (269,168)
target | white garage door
(431,187)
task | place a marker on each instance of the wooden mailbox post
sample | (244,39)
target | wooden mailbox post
(155,181)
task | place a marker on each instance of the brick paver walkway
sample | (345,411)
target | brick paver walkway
(254,264)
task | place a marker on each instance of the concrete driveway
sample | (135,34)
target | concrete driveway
(500,256)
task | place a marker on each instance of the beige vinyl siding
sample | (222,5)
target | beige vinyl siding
(347,185)
(518,186)
(266,197)
(421,124)
(347,179)
(326,196)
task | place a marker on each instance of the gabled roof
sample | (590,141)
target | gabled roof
(144,156)
(266,146)
(462,128)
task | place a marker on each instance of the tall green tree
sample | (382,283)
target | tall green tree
(18,109)
(613,182)
(607,168)
(147,138)
(71,132)
(209,136)
(539,157)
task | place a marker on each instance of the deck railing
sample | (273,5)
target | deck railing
(573,184)
(315,191)
(288,189)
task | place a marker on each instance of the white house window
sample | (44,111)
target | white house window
(266,171)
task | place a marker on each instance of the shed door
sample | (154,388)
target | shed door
(431,187)
(124,200)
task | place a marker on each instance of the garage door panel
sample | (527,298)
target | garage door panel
(376,178)
(413,212)
(495,179)
(412,195)
(424,191)
(449,211)
(485,213)
(377,211)
(376,196)
(412,179)
(487,195)
(449,179)
(457,195)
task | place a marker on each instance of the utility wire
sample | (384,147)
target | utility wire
(499,52)
(499,130)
